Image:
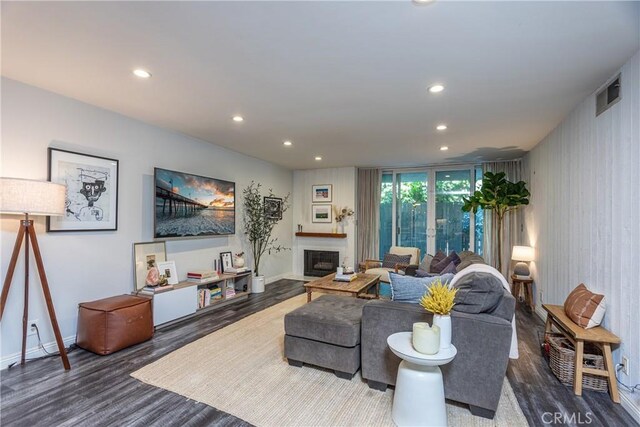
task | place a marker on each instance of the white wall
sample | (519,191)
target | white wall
(343,181)
(583,218)
(91,265)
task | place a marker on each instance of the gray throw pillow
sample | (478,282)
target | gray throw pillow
(390,260)
(425,265)
(424,273)
(449,269)
(438,267)
(478,293)
(468,260)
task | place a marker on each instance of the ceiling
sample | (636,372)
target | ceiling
(343,80)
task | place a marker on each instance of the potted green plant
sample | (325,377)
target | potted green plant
(258,227)
(500,196)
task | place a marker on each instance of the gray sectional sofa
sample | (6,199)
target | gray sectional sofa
(483,341)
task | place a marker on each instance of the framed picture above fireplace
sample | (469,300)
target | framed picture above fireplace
(321,193)
(321,214)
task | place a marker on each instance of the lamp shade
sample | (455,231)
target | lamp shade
(33,197)
(523,253)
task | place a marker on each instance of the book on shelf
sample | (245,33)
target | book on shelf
(203,281)
(202,274)
(236,270)
(345,277)
(154,289)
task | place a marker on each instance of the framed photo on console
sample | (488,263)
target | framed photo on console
(321,214)
(321,193)
(92,191)
(146,257)
(226,261)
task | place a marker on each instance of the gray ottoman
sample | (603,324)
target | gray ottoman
(326,333)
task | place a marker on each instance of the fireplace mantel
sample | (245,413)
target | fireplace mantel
(326,235)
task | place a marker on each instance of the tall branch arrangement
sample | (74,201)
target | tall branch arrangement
(257,226)
(501,196)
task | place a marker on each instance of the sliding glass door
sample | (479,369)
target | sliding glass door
(423,208)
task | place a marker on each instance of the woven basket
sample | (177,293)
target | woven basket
(562,357)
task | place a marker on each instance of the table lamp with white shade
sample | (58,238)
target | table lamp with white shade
(40,198)
(524,255)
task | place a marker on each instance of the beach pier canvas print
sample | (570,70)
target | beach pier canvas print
(188,205)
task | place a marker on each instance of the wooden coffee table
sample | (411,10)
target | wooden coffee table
(356,288)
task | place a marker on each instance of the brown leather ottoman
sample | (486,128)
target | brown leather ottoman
(111,324)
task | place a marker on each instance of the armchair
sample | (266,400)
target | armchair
(374,266)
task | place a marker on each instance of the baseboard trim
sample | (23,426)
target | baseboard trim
(35,352)
(630,406)
(272,279)
(541,313)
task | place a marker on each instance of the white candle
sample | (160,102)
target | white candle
(426,339)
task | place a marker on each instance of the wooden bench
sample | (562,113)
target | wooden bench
(598,336)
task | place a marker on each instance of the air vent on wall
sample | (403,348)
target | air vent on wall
(608,96)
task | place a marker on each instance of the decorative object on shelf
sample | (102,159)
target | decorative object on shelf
(500,196)
(523,254)
(439,300)
(146,255)
(92,191)
(169,271)
(226,261)
(299,228)
(342,216)
(259,228)
(273,208)
(30,197)
(321,193)
(425,338)
(190,206)
(238,260)
(321,214)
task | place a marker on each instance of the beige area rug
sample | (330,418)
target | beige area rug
(241,370)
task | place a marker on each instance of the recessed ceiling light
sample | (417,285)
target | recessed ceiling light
(423,2)
(444,148)
(143,74)
(318,158)
(238,119)
(436,88)
(288,143)
(441,127)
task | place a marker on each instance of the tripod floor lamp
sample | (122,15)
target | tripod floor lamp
(39,198)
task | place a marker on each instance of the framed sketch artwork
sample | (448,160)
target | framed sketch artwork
(321,193)
(273,208)
(321,214)
(92,191)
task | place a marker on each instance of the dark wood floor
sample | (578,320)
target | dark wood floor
(99,390)
(541,395)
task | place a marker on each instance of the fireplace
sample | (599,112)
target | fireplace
(320,263)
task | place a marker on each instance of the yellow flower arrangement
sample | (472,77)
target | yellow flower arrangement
(439,298)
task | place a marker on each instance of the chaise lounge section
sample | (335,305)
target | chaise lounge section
(483,340)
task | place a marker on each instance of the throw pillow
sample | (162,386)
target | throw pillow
(439,256)
(468,260)
(449,269)
(424,273)
(390,260)
(425,265)
(411,289)
(585,308)
(438,267)
(478,293)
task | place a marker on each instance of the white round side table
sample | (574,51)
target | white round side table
(419,395)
